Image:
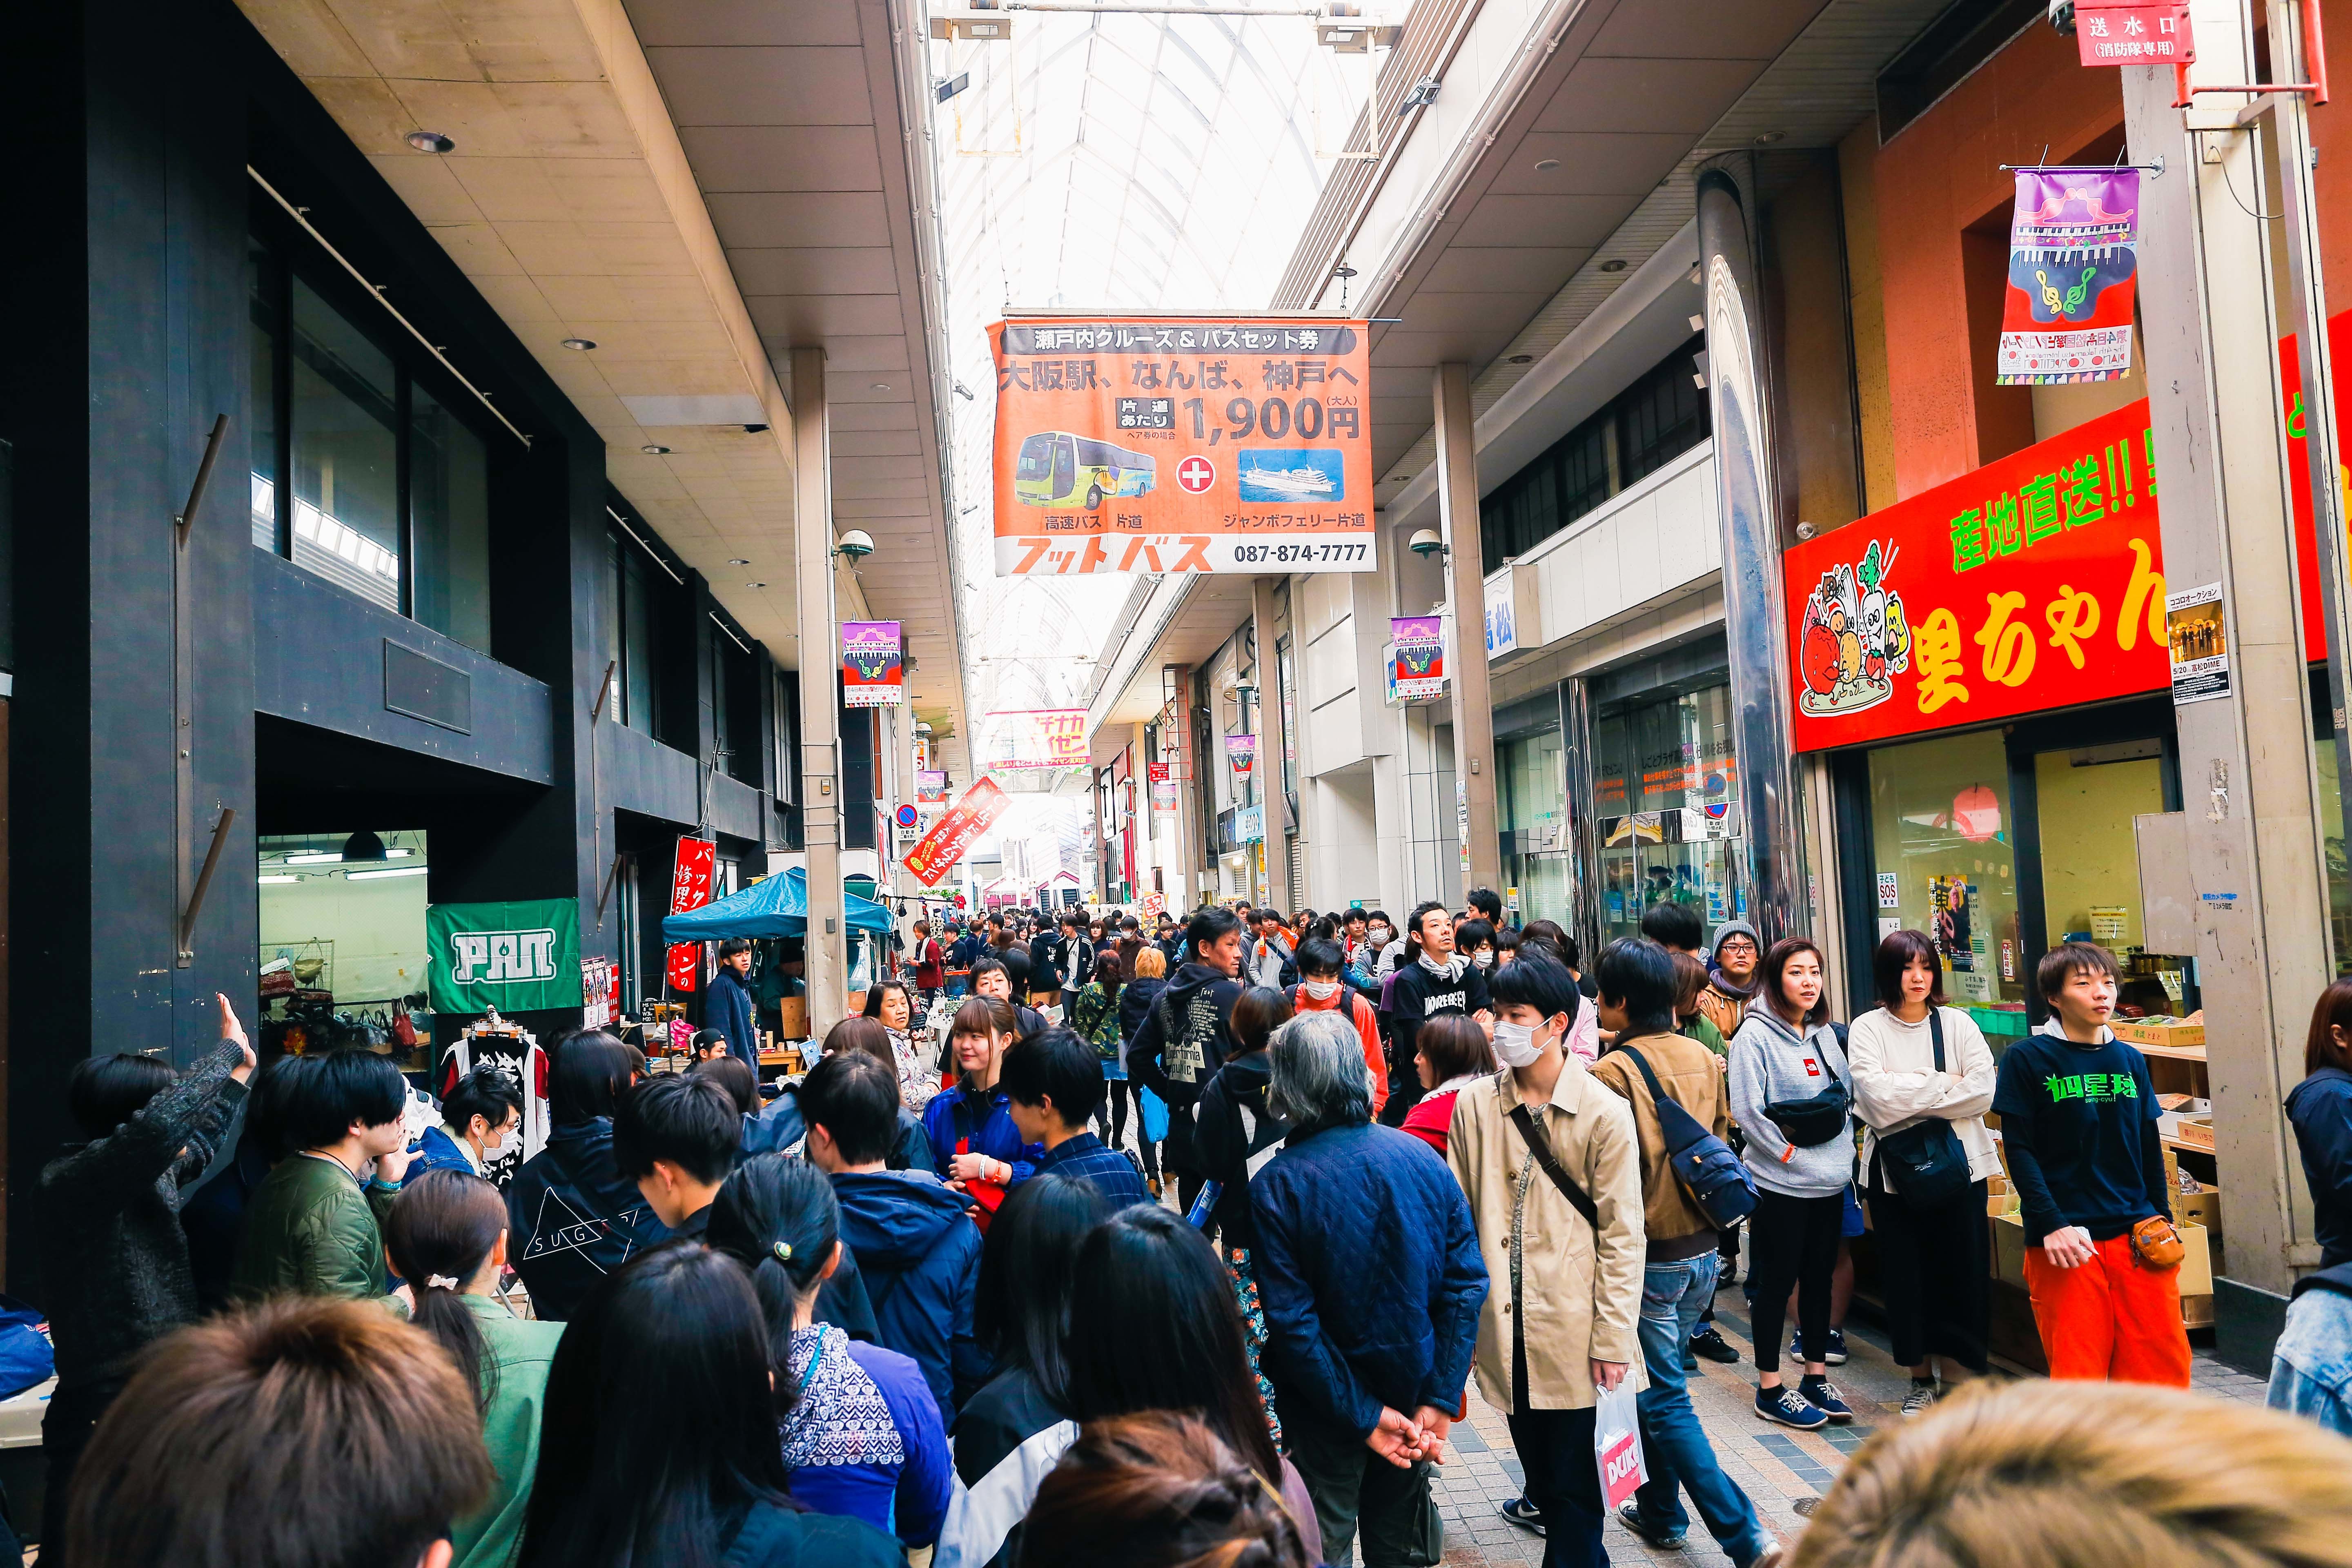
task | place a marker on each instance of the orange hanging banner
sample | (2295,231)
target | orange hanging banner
(966,820)
(1181,444)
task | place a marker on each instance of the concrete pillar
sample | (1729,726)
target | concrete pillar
(1466,590)
(820,703)
(1273,741)
(1749,499)
(2254,850)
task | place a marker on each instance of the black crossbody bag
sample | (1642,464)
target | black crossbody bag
(1929,1167)
(1541,1148)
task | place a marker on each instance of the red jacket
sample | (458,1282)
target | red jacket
(1368,1029)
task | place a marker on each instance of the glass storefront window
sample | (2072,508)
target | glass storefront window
(1533,806)
(261,419)
(1945,860)
(449,523)
(346,451)
(1666,801)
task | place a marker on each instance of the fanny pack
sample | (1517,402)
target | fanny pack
(1817,1119)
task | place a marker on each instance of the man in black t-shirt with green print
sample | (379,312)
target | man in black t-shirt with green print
(2078,1122)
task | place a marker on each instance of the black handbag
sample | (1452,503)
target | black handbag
(1929,1167)
(1816,1120)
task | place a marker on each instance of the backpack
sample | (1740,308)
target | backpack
(1714,1177)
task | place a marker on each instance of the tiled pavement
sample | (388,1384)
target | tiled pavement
(1779,1469)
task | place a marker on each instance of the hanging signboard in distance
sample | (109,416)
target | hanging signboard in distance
(1183,444)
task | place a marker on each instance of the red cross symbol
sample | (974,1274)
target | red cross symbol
(1196,474)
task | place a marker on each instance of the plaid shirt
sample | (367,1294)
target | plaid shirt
(1112,1173)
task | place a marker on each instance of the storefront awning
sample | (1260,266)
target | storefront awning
(776,907)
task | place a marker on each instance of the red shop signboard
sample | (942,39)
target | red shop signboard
(2035,582)
(689,888)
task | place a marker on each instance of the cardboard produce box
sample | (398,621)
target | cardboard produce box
(2201,1207)
(794,1016)
(2009,1248)
(2195,1259)
(2174,1034)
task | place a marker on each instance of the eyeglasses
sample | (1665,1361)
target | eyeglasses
(1737,945)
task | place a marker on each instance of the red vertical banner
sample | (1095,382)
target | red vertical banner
(966,820)
(689,888)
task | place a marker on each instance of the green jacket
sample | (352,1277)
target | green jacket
(310,1231)
(521,1351)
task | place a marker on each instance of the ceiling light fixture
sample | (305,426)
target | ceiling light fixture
(1614,264)
(1546,165)
(877,387)
(1520,359)
(431,142)
(650,450)
(1766,138)
(390,871)
(579,344)
(278,879)
(755,585)
(739,560)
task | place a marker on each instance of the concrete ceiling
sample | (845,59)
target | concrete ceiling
(694,188)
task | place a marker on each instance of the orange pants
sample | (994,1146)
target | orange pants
(2110,1320)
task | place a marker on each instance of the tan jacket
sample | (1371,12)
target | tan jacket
(1725,1012)
(1693,1074)
(1579,1294)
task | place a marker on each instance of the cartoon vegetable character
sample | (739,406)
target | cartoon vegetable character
(1817,652)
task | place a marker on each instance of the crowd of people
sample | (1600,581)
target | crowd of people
(1183,1246)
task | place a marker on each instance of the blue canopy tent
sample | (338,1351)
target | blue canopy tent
(775,907)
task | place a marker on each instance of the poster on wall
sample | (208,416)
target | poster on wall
(964,821)
(2199,643)
(1181,444)
(931,787)
(689,888)
(1030,739)
(872,670)
(1419,661)
(1241,751)
(1163,787)
(2073,269)
(1951,916)
(516,957)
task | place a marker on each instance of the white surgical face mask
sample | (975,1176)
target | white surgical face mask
(1380,935)
(1322,989)
(1515,1045)
(1483,958)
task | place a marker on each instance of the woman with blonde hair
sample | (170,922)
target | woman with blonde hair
(1135,998)
(2087,1475)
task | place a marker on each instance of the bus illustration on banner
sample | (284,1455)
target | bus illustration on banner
(1058,469)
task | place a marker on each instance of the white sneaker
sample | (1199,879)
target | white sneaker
(1921,1399)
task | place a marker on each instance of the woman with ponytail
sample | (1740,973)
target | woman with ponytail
(861,1430)
(448,1237)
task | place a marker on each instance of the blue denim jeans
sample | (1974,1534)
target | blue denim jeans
(1675,1448)
(2311,1367)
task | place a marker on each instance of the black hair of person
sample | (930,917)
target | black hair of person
(1487,902)
(1535,980)
(1671,924)
(733,946)
(1207,928)
(688,1120)
(659,1426)
(2065,961)
(1059,1064)
(1318,956)
(1412,924)
(778,1217)
(442,1226)
(1179,1346)
(1472,934)
(1893,955)
(587,1073)
(1563,946)
(856,1100)
(489,1093)
(1637,975)
(873,1008)
(1258,1012)
(1782,954)
(984,967)
(1028,1268)
(318,1097)
(107,1092)
(1454,1046)
(734,1075)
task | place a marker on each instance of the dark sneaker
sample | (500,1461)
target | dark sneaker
(1790,1408)
(1921,1398)
(1664,1540)
(1836,1353)
(1524,1514)
(1822,1396)
(1712,1345)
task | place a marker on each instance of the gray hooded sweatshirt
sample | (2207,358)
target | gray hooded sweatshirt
(1770,1062)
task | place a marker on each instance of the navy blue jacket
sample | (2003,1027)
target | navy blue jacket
(1368,1269)
(918,1255)
(729,1010)
(1085,1158)
(573,1218)
(948,1120)
(2320,1107)
(1135,1002)
(777,1128)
